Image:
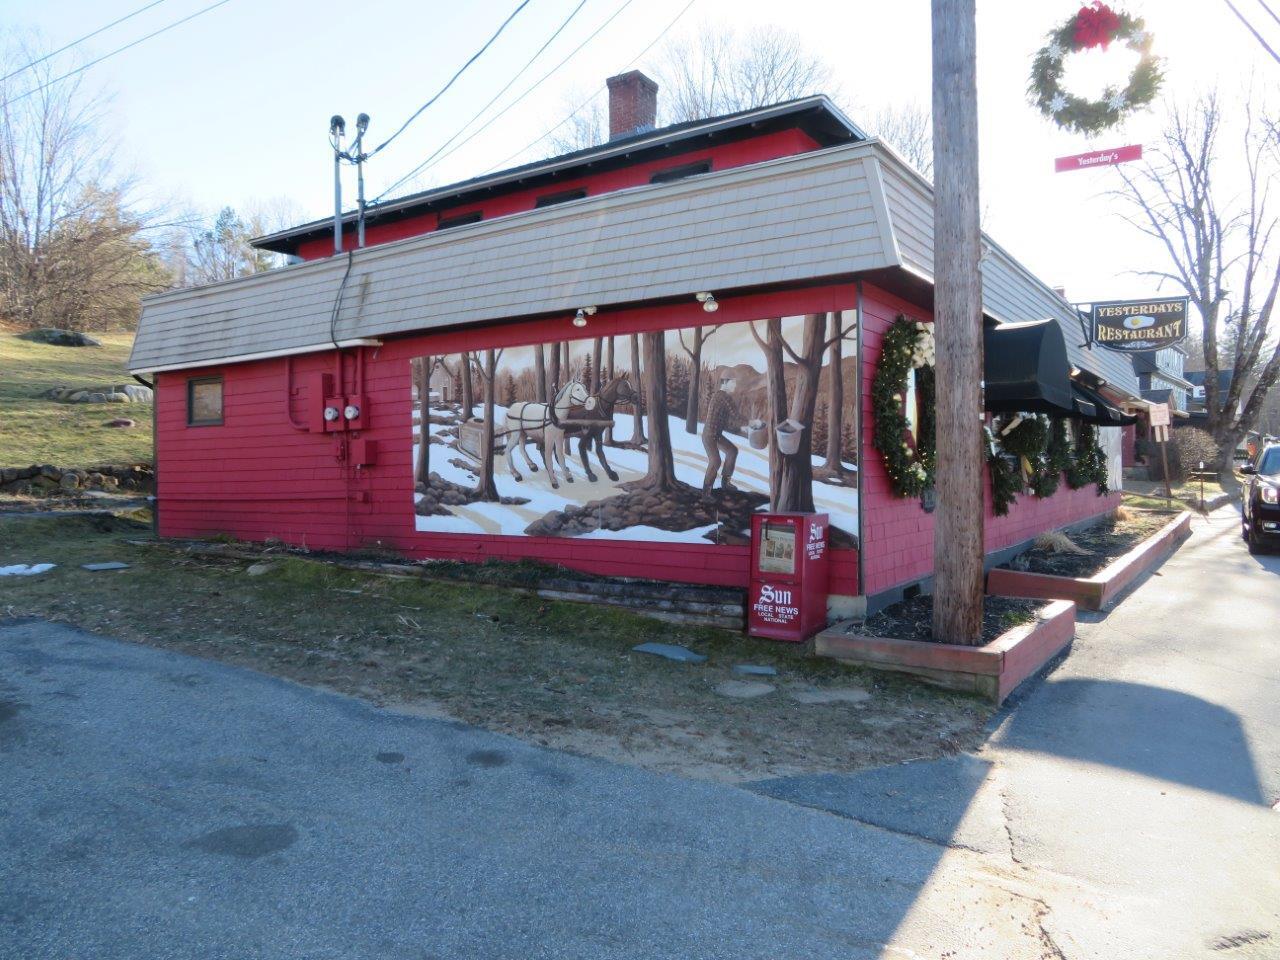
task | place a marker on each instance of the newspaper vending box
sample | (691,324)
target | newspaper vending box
(788,595)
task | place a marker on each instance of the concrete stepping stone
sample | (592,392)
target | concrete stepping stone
(744,689)
(670,651)
(831,695)
(107,565)
(755,670)
(258,569)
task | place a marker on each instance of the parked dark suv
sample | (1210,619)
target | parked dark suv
(1260,517)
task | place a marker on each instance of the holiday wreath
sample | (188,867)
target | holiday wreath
(1096,25)
(907,345)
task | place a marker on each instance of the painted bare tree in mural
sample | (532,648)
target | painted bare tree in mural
(540,372)
(637,415)
(661,476)
(486,489)
(422,368)
(834,469)
(699,336)
(462,373)
(791,475)
(605,378)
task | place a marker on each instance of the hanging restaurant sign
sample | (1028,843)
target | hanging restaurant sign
(1132,326)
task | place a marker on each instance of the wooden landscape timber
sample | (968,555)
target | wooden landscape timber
(1101,590)
(993,670)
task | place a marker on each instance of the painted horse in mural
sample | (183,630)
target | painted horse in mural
(542,423)
(616,391)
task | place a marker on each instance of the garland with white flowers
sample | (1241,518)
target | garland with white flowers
(1094,25)
(908,345)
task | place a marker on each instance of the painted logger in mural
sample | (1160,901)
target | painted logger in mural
(771,409)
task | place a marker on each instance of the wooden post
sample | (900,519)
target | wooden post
(958,522)
(1164,464)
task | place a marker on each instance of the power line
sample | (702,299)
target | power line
(479,112)
(76,43)
(108,56)
(1274,16)
(665,30)
(474,57)
(1266,46)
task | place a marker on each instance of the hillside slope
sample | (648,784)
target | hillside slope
(35,430)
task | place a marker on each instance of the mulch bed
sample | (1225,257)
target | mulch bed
(1104,543)
(913,619)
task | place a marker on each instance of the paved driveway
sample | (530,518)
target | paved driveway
(154,805)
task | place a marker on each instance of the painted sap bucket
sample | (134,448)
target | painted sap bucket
(789,432)
(757,434)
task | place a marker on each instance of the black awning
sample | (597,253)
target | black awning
(1091,407)
(1026,369)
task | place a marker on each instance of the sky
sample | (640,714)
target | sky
(233,107)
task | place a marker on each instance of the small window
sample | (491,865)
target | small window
(460,221)
(679,173)
(551,199)
(204,402)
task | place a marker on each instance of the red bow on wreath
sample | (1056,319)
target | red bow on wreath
(1095,26)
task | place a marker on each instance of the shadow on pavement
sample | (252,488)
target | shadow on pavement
(1148,730)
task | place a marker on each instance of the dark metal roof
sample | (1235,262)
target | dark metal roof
(817,115)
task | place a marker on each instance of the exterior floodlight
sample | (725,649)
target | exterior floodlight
(580,318)
(337,126)
(708,301)
(362,122)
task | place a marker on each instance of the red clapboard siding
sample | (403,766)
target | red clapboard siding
(256,477)
(898,534)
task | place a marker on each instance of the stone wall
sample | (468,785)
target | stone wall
(47,480)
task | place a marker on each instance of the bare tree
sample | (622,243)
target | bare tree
(908,128)
(585,127)
(222,251)
(717,70)
(1221,248)
(73,252)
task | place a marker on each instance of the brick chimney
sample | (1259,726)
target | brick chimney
(633,104)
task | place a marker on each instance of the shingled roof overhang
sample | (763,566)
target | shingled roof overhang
(816,115)
(855,210)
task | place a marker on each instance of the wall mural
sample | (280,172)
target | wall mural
(674,436)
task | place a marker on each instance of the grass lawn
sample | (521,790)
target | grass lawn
(558,674)
(1149,494)
(33,430)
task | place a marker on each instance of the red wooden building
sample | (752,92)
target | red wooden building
(607,360)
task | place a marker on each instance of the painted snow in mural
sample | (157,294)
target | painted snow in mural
(674,436)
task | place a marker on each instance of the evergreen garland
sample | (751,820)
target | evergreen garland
(1088,464)
(910,471)
(1006,480)
(1057,457)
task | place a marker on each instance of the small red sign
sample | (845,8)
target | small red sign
(1098,158)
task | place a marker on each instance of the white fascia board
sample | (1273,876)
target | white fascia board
(264,355)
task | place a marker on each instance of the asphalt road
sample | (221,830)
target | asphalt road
(154,805)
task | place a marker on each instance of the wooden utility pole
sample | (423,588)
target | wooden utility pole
(957,311)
